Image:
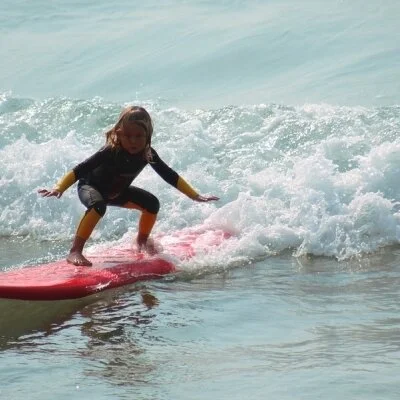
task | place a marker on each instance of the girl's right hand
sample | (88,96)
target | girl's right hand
(50,193)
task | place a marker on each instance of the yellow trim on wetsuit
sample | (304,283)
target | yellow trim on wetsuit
(185,188)
(146,223)
(65,182)
(147,219)
(87,224)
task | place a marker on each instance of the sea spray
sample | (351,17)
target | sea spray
(316,179)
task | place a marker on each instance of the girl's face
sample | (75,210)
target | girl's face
(133,138)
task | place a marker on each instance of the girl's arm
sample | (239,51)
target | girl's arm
(76,173)
(61,186)
(171,177)
(185,188)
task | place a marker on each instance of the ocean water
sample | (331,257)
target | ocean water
(290,113)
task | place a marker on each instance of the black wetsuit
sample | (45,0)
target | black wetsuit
(106,177)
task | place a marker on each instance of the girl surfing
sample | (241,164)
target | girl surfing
(105,179)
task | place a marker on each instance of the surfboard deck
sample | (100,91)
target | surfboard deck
(112,267)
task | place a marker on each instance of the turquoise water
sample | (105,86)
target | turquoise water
(290,113)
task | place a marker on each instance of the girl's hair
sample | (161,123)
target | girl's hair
(132,115)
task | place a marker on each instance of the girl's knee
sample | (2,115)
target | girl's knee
(153,206)
(100,207)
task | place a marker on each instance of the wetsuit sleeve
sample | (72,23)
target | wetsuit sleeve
(82,169)
(65,182)
(170,176)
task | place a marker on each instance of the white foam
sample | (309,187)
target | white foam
(315,179)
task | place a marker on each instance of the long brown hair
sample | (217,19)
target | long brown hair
(132,115)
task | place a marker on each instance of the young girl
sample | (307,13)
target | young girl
(106,176)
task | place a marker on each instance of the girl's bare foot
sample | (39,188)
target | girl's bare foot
(148,246)
(77,258)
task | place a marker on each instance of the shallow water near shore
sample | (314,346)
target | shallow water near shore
(282,328)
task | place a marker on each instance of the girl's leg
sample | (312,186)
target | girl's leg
(92,199)
(146,223)
(148,204)
(85,228)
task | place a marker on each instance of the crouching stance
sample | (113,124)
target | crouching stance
(105,178)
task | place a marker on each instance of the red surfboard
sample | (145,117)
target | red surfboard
(112,268)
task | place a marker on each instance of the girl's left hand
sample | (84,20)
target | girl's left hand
(50,193)
(204,199)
